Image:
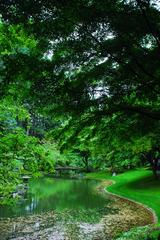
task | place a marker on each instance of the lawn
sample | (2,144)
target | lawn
(138,185)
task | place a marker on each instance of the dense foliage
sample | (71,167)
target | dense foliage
(86,75)
(144,233)
(19,153)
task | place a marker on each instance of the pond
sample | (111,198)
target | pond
(55,209)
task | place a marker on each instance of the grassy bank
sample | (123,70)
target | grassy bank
(138,185)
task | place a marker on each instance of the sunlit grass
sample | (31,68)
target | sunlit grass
(138,185)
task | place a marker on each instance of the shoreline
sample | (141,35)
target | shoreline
(131,214)
(128,214)
(150,210)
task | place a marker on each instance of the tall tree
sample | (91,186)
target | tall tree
(95,60)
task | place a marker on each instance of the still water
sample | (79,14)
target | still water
(47,194)
(51,202)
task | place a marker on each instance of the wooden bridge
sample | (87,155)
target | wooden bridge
(69,168)
(59,170)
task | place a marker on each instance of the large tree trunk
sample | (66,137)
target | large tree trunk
(154,164)
(154,168)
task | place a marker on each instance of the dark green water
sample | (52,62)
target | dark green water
(57,209)
(60,195)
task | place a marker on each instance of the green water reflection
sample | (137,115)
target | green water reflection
(78,199)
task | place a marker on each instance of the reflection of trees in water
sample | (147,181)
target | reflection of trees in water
(68,195)
(74,197)
(32,205)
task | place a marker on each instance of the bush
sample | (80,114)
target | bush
(142,233)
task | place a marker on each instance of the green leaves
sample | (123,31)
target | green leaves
(92,68)
(15,40)
(19,153)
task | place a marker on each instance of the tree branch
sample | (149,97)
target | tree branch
(139,3)
(153,114)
